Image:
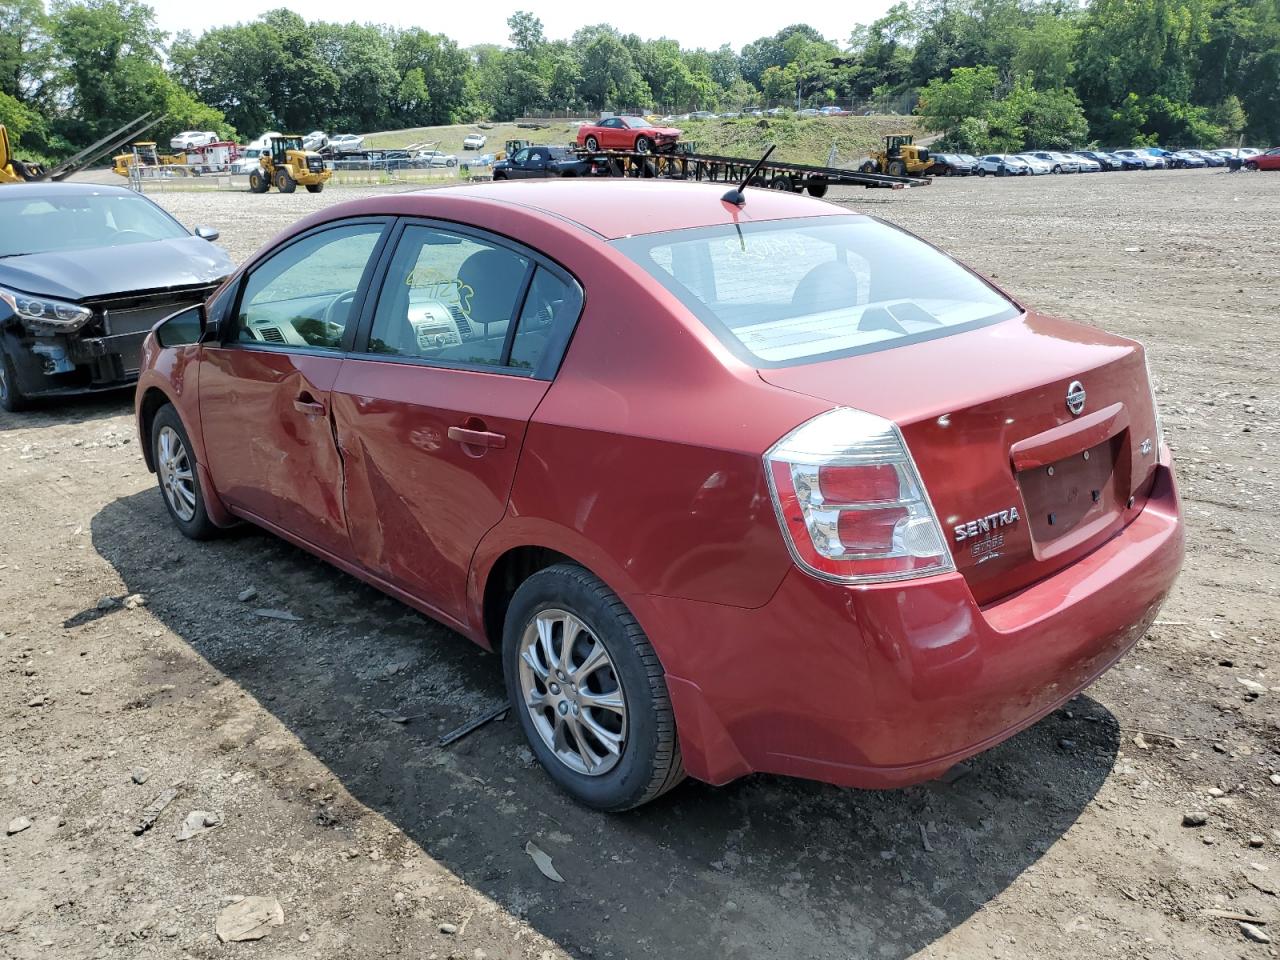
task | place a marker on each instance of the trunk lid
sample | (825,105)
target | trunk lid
(1022,483)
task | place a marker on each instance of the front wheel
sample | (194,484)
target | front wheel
(816,190)
(285,183)
(589,691)
(982,171)
(175,464)
(314,187)
(258,183)
(12,399)
(643,145)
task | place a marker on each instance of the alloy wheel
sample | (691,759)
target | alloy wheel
(572,692)
(176,476)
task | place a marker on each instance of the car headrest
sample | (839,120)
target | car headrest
(494,277)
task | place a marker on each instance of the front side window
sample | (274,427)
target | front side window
(304,295)
(451,298)
(795,291)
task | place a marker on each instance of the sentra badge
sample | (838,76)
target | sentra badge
(992,521)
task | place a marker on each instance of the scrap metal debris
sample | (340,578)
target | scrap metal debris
(152,813)
(249,919)
(198,821)
(276,614)
(473,725)
(543,862)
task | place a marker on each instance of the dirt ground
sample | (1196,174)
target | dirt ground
(1067,841)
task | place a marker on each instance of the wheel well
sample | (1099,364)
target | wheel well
(152,401)
(512,569)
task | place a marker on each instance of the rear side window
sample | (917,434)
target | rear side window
(454,299)
(796,291)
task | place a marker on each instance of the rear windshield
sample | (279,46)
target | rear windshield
(796,291)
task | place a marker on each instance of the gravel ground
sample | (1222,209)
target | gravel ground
(1067,841)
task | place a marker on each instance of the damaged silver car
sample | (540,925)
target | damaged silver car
(85,272)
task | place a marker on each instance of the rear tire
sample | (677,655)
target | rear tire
(537,668)
(179,475)
(869,166)
(897,168)
(258,183)
(816,190)
(284,182)
(314,187)
(12,399)
(782,182)
(592,144)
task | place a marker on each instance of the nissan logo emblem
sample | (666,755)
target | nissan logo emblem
(1075,398)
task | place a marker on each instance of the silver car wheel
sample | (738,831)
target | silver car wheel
(176,477)
(572,692)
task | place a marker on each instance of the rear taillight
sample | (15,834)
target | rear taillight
(851,503)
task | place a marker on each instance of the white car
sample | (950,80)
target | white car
(1000,165)
(193,138)
(435,158)
(1149,162)
(1087,164)
(474,141)
(1038,166)
(346,143)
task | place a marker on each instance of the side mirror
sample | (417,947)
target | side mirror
(207,233)
(182,328)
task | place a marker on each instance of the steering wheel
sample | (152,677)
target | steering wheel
(347,298)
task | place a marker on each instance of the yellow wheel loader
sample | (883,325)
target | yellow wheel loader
(899,158)
(285,165)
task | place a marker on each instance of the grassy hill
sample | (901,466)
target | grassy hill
(799,140)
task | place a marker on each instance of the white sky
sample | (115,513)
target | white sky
(482,21)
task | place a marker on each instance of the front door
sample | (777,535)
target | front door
(265,387)
(431,410)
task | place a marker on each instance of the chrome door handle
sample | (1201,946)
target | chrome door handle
(477,438)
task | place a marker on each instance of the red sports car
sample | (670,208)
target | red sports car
(776,487)
(1265,161)
(627,133)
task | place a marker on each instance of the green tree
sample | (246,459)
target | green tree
(968,92)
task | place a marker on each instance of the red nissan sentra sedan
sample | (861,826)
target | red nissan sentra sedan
(772,488)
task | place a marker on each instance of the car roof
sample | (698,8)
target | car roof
(49,189)
(613,208)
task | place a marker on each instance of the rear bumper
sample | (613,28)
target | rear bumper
(893,684)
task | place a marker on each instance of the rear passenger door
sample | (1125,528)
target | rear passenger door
(431,408)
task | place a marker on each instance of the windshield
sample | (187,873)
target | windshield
(78,222)
(635,123)
(794,291)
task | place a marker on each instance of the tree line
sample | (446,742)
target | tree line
(989,74)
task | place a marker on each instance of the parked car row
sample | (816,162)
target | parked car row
(1035,163)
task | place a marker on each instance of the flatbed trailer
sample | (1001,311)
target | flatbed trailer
(775,174)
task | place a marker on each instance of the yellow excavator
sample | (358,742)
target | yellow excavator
(13,170)
(286,164)
(899,158)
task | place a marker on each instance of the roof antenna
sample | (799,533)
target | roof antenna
(736,196)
